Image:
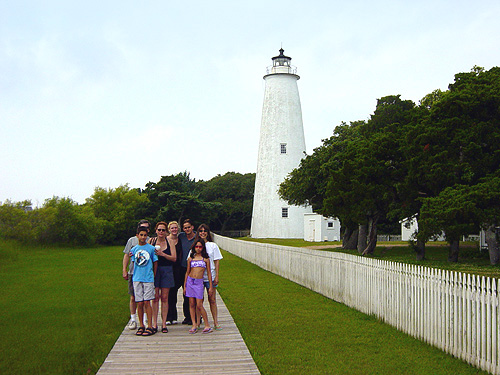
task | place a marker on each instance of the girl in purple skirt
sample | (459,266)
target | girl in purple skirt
(197,263)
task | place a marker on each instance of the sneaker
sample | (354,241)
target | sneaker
(175,322)
(168,322)
(132,324)
(187,321)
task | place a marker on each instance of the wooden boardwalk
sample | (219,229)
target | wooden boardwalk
(179,352)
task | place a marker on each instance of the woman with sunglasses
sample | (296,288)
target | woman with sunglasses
(164,278)
(215,256)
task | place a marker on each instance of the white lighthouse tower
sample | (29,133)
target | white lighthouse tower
(281,147)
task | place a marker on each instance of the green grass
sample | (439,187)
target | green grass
(62,308)
(471,260)
(292,330)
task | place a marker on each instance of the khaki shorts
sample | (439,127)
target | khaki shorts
(144,291)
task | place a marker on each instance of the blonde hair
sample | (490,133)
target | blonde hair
(172,223)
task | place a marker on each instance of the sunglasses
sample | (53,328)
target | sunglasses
(203,231)
(161,230)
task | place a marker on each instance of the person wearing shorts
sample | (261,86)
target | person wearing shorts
(164,277)
(127,263)
(145,263)
(198,262)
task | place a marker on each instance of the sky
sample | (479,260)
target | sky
(107,93)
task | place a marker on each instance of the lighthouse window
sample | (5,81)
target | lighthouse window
(283,148)
(284,212)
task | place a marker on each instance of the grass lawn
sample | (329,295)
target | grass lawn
(292,330)
(471,260)
(62,308)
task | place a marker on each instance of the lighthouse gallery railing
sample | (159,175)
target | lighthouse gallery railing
(453,311)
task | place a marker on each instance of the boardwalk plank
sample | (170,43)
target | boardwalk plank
(179,352)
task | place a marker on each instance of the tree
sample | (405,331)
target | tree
(61,220)
(234,192)
(14,220)
(456,141)
(118,210)
(353,175)
(177,197)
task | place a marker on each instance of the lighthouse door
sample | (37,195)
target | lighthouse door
(312,231)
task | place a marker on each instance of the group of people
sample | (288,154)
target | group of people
(156,267)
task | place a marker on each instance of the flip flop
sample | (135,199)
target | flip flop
(217,327)
(140,331)
(193,330)
(149,332)
(207,330)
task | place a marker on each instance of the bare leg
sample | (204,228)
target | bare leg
(192,311)
(133,305)
(149,311)
(140,313)
(213,307)
(154,323)
(164,306)
(201,311)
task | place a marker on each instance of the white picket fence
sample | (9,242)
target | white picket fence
(456,312)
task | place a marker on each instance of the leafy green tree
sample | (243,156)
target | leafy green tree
(63,221)
(14,220)
(463,209)
(234,194)
(118,211)
(177,197)
(353,175)
(455,142)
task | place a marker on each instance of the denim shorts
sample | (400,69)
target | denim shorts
(207,285)
(164,277)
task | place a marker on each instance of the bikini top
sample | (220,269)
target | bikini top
(198,263)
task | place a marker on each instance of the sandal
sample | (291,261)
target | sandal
(207,330)
(193,330)
(140,331)
(164,330)
(149,332)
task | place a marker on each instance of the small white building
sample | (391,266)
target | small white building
(409,228)
(318,228)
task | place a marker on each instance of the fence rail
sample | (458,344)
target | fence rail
(453,311)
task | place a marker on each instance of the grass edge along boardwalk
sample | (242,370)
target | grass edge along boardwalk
(178,352)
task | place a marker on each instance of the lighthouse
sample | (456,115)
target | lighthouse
(281,147)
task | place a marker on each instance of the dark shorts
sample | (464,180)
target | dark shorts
(207,285)
(164,277)
(130,285)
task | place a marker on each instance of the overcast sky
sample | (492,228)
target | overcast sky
(104,93)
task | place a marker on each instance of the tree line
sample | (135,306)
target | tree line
(437,162)
(109,216)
